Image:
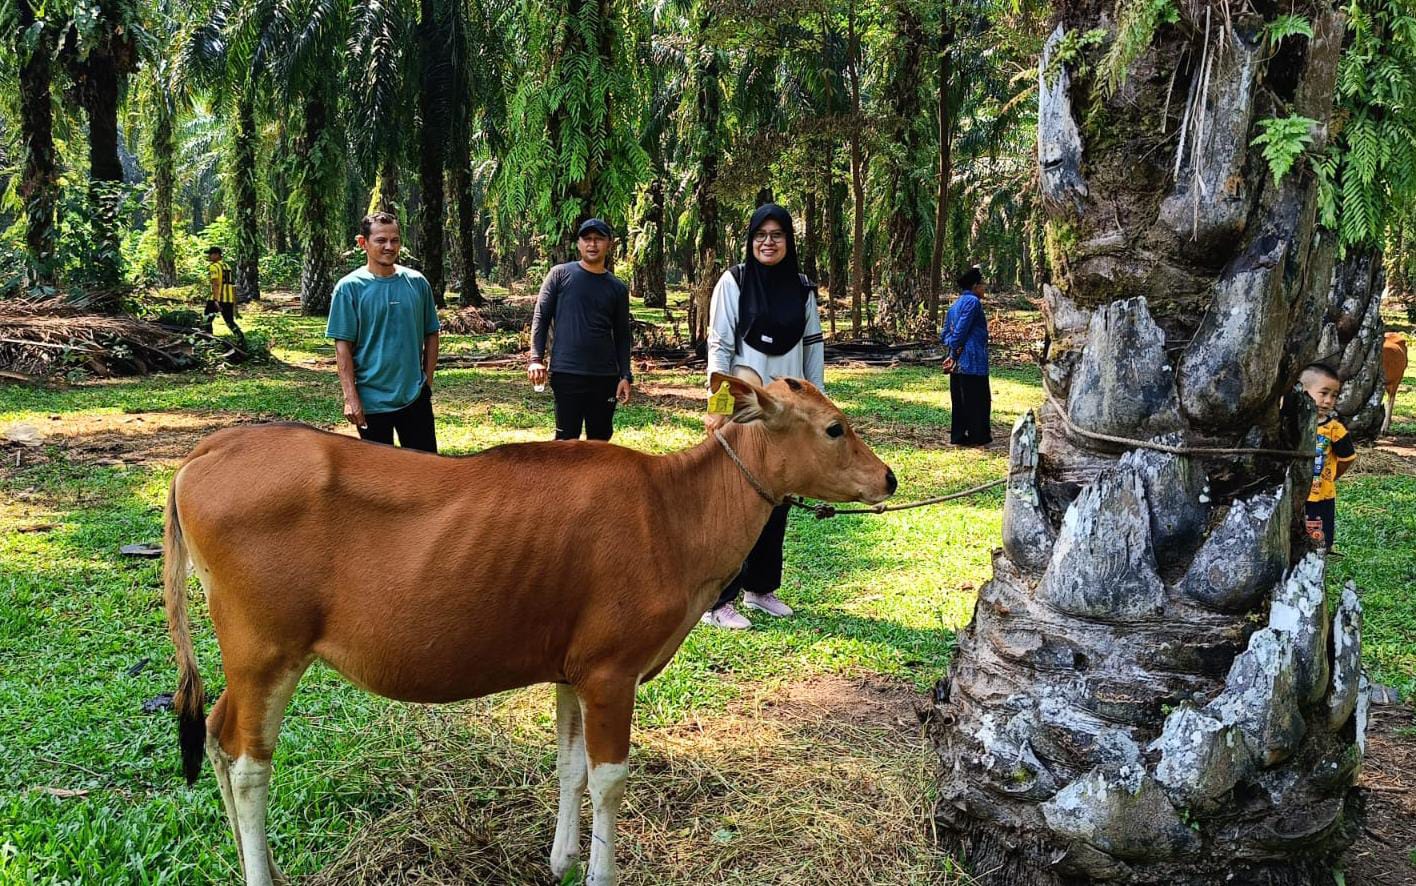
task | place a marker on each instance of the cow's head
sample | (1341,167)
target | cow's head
(809,445)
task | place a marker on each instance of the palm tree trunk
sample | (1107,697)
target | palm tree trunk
(811,238)
(244,173)
(1152,689)
(649,270)
(386,197)
(99,76)
(857,180)
(39,182)
(934,279)
(838,246)
(708,123)
(467,214)
(900,302)
(434,101)
(164,175)
(319,202)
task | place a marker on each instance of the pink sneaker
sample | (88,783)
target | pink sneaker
(726,616)
(768,603)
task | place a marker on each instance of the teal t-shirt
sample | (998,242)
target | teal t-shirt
(386,318)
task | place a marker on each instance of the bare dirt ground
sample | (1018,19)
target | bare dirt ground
(112,440)
(1385,853)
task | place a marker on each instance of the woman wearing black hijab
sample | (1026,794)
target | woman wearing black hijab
(763,323)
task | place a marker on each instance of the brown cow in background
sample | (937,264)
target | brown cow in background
(1393,371)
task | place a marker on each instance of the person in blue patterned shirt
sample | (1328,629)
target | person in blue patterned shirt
(965,337)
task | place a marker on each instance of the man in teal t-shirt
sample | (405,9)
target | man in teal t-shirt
(385,328)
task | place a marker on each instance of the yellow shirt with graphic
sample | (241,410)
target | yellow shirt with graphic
(1334,447)
(219,272)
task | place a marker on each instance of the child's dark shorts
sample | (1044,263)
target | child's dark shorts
(1326,511)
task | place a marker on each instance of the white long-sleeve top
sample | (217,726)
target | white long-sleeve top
(806,360)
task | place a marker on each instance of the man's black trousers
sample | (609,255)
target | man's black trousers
(584,401)
(414,424)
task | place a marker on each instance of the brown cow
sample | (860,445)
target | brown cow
(1393,370)
(432,579)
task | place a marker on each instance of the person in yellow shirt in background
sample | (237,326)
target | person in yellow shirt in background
(222,298)
(1335,453)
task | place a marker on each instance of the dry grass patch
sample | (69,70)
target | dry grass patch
(1390,455)
(825,780)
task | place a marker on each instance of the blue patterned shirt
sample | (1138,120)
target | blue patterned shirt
(965,334)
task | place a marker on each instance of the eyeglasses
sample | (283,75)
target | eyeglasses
(765,236)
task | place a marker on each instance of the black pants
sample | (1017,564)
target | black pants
(1325,511)
(762,570)
(972,403)
(584,400)
(227,310)
(413,422)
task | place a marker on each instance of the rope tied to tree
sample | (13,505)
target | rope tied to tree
(1166,447)
(824,511)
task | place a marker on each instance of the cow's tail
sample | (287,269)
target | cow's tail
(189,701)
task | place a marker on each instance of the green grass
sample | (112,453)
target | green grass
(876,595)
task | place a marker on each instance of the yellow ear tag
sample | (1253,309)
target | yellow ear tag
(721,402)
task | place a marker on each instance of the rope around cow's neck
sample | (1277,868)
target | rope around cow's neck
(760,489)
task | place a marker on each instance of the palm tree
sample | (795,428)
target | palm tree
(1152,689)
(381,52)
(303,42)
(573,123)
(33,40)
(100,51)
(228,56)
(901,302)
(162,95)
(662,61)
(441,28)
(706,149)
(479,117)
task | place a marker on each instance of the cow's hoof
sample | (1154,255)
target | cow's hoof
(563,864)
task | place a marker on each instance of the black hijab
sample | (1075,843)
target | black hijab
(772,306)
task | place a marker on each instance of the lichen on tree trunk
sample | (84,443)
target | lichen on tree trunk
(1152,689)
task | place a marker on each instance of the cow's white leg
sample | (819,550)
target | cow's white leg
(607,707)
(250,788)
(251,727)
(1386,415)
(607,782)
(221,764)
(570,766)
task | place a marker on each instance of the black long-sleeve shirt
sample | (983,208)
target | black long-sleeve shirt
(590,313)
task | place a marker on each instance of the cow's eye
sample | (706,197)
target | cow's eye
(834,429)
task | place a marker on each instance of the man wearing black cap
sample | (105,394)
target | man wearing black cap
(589,308)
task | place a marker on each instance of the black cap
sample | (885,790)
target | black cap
(596,225)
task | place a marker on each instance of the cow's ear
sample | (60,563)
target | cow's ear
(750,402)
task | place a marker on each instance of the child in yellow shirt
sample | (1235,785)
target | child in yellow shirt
(1335,452)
